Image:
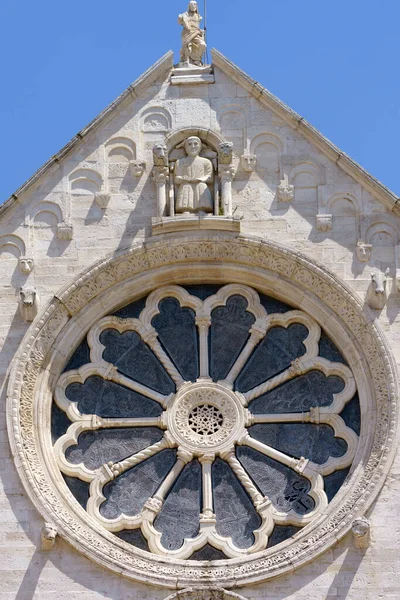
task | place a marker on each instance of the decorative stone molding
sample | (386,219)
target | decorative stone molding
(363,251)
(266,266)
(248,162)
(28,303)
(361,529)
(208,593)
(285,190)
(137,168)
(102,199)
(192,75)
(65,231)
(26,264)
(377,293)
(48,537)
(324,222)
(193,223)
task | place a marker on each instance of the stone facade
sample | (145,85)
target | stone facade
(62,235)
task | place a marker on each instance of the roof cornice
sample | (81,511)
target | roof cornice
(164,64)
(349,166)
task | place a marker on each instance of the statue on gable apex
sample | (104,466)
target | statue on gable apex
(193,43)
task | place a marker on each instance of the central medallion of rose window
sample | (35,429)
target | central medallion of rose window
(207,417)
(205,423)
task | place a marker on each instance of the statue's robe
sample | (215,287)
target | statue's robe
(194,197)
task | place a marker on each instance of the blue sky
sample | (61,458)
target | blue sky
(334,62)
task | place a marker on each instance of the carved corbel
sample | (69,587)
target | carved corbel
(48,536)
(361,529)
(285,190)
(363,251)
(377,292)
(26,265)
(161,177)
(324,222)
(102,199)
(226,174)
(28,303)
(137,168)
(248,162)
(65,231)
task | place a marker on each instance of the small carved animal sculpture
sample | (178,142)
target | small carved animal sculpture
(160,155)
(377,293)
(361,533)
(225,153)
(28,303)
(48,536)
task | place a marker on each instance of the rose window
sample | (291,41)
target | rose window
(206,422)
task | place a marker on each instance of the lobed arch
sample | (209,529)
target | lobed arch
(12,244)
(121,149)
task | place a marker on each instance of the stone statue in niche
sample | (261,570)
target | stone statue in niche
(192,174)
(193,44)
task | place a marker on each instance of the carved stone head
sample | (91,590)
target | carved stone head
(225,153)
(26,265)
(249,162)
(193,146)
(193,7)
(137,168)
(28,296)
(160,155)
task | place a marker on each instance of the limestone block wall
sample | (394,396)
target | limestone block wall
(91,204)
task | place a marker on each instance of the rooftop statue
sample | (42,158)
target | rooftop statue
(192,174)
(193,44)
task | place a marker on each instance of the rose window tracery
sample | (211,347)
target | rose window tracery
(205,420)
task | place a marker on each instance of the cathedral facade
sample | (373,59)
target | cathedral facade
(200,339)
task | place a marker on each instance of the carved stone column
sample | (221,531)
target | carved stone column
(226,173)
(161,177)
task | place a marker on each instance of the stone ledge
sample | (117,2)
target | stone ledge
(192,75)
(193,222)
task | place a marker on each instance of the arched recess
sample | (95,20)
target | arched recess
(120,150)
(307,177)
(384,239)
(210,137)
(12,246)
(345,209)
(85,185)
(232,121)
(267,267)
(12,249)
(269,150)
(85,182)
(155,119)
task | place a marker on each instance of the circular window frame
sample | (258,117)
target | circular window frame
(212,258)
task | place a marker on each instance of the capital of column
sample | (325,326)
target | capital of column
(160,174)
